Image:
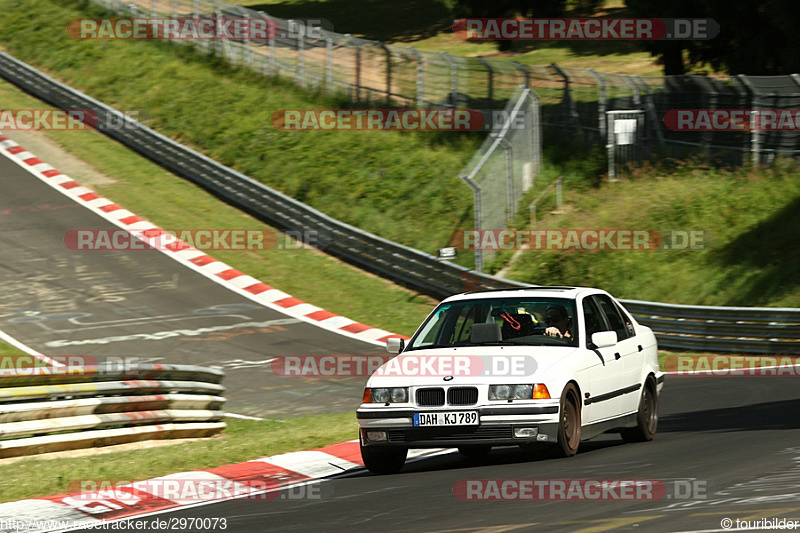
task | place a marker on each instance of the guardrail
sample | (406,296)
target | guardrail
(50,408)
(401,264)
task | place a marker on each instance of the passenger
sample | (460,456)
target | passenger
(558,322)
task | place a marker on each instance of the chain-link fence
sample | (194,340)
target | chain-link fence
(506,166)
(574,102)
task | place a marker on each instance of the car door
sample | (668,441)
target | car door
(605,377)
(627,352)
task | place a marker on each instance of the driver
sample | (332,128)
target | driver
(558,322)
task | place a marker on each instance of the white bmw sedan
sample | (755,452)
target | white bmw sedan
(541,365)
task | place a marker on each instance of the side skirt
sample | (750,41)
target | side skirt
(608,426)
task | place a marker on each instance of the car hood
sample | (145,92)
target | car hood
(469,365)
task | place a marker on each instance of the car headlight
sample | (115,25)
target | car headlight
(511,392)
(386,395)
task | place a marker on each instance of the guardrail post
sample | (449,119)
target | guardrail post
(490,72)
(602,104)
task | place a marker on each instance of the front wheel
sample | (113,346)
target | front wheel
(646,418)
(383,460)
(569,424)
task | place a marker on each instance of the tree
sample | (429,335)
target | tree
(756,37)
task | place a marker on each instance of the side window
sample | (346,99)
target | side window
(593,318)
(626,319)
(615,320)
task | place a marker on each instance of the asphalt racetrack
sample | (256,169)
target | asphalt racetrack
(110,304)
(726,448)
(733,441)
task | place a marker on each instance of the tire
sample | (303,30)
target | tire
(383,459)
(646,418)
(569,423)
(476,451)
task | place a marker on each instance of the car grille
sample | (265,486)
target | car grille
(450,434)
(462,396)
(430,397)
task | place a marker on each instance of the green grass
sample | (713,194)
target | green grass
(749,216)
(7,349)
(242,440)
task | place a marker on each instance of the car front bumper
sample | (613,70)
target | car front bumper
(498,426)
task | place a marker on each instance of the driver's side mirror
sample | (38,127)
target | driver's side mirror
(602,339)
(395,345)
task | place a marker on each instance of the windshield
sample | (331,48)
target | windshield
(500,322)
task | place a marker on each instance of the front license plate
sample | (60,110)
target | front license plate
(457,418)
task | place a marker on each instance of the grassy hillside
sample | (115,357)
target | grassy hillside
(404,186)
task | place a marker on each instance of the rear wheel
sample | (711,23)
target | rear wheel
(383,459)
(569,424)
(647,417)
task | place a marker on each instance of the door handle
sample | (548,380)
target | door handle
(640,348)
(617,356)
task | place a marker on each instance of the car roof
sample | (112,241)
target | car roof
(536,291)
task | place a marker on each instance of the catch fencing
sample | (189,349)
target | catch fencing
(505,166)
(401,264)
(574,101)
(57,407)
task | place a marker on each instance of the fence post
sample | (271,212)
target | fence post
(602,104)
(453,78)
(559,197)
(570,113)
(476,190)
(247,52)
(637,101)
(508,148)
(755,136)
(524,72)
(328,62)
(353,42)
(153,12)
(650,108)
(420,77)
(490,71)
(388,72)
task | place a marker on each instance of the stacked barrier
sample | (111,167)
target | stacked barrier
(61,407)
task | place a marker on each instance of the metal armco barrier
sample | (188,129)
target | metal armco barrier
(401,264)
(57,408)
